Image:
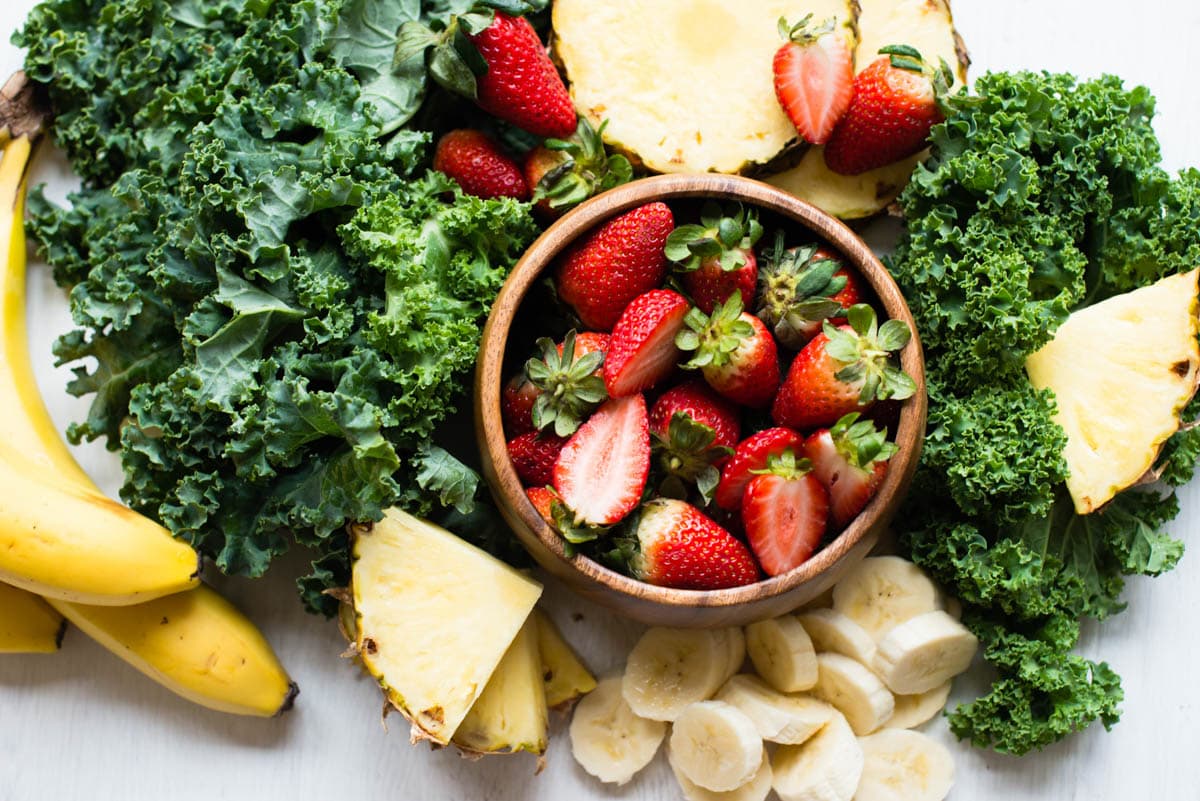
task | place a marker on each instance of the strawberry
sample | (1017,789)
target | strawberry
(543,499)
(752,453)
(533,456)
(814,77)
(641,350)
(516,404)
(693,431)
(564,173)
(785,510)
(734,351)
(699,403)
(476,162)
(798,291)
(677,546)
(896,103)
(717,256)
(615,263)
(602,471)
(587,342)
(569,388)
(851,461)
(843,370)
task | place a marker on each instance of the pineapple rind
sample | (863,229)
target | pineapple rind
(566,677)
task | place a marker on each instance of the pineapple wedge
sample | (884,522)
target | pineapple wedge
(686,85)
(434,615)
(1122,370)
(510,715)
(565,676)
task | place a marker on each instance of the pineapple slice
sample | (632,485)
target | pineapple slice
(434,615)
(1122,370)
(849,197)
(510,715)
(566,678)
(686,85)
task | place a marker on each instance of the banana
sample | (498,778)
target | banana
(736,650)
(833,632)
(607,739)
(779,718)
(903,765)
(854,691)
(716,746)
(884,591)
(669,669)
(27,623)
(913,710)
(757,789)
(825,768)
(924,652)
(782,653)
(197,645)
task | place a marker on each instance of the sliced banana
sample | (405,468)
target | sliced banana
(884,591)
(854,691)
(779,718)
(671,668)
(736,647)
(825,768)
(913,710)
(833,632)
(782,653)
(756,789)
(904,766)
(924,652)
(607,739)
(716,746)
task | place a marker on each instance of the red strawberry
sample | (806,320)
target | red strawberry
(734,351)
(696,400)
(516,404)
(564,173)
(717,256)
(679,547)
(476,162)
(601,473)
(784,511)
(798,287)
(533,456)
(543,499)
(521,84)
(694,431)
(895,104)
(568,388)
(814,77)
(615,263)
(851,461)
(588,342)
(843,370)
(752,453)
(641,351)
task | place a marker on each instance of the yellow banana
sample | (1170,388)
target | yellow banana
(197,645)
(27,623)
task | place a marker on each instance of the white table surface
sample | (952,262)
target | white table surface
(81,724)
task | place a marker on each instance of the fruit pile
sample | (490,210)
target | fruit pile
(666,422)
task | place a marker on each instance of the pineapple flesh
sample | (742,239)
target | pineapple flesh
(1121,370)
(565,676)
(685,85)
(434,616)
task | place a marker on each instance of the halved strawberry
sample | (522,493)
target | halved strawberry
(641,350)
(516,404)
(693,431)
(543,499)
(717,256)
(851,461)
(814,77)
(784,510)
(601,473)
(678,546)
(567,381)
(734,351)
(533,456)
(752,453)
(798,291)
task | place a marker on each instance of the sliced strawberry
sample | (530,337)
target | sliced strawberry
(477,163)
(851,461)
(797,291)
(569,384)
(752,453)
(678,546)
(516,404)
(734,352)
(601,473)
(641,350)
(693,431)
(784,510)
(717,257)
(533,456)
(814,77)
(543,499)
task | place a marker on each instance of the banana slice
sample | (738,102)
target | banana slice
(904,766)
(884,591)
(671,668)
(924,652)
(913,710)
(833,632)
(607,739)
(736,643)
(825,768)
(756,789)
(779,718)
(716,746)
(782,654)
(854,691)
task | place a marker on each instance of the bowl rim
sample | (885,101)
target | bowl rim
(542,256)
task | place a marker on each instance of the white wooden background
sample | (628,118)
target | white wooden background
(83,725)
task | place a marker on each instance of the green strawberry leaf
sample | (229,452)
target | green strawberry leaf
(893,335)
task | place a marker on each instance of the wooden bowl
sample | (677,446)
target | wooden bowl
(660,605)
